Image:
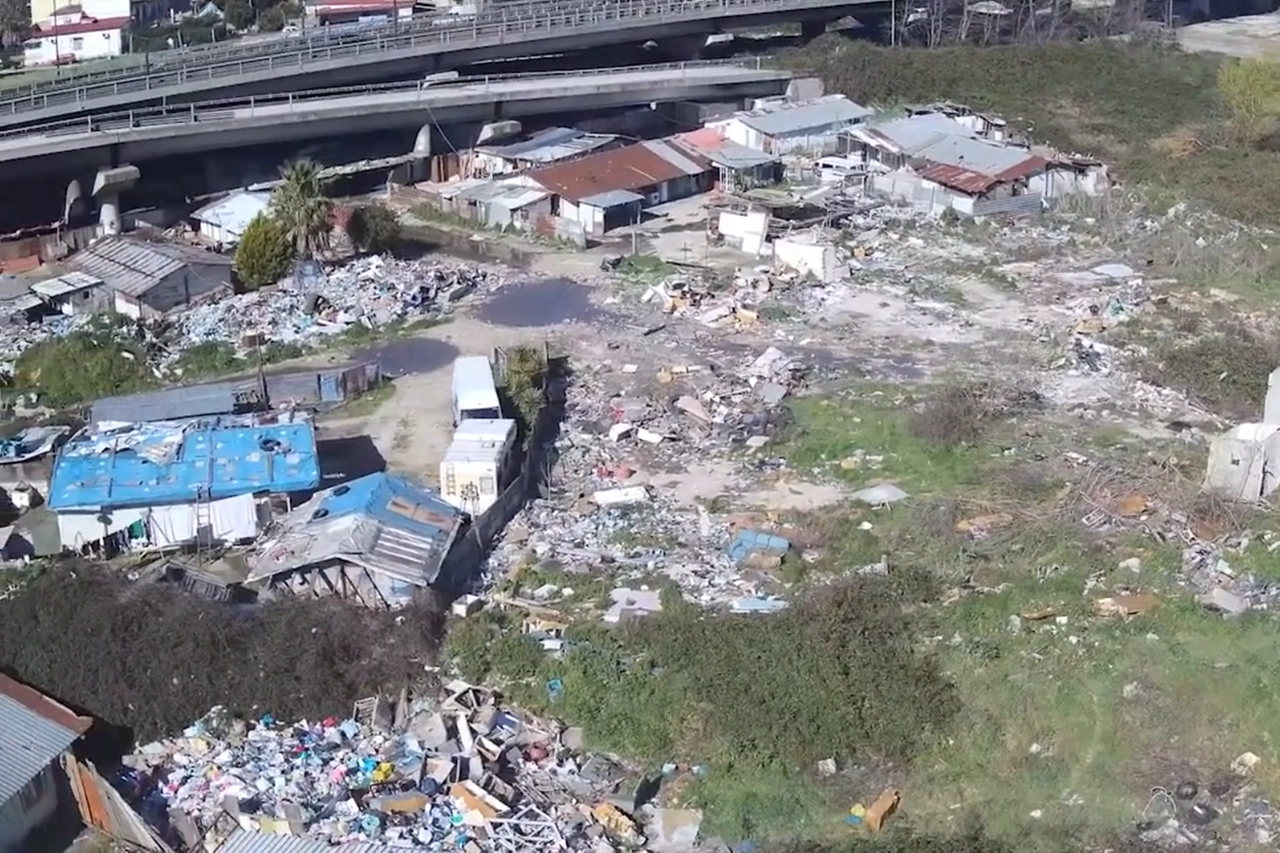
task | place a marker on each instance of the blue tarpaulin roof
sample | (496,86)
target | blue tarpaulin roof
(174,462)
(384,522)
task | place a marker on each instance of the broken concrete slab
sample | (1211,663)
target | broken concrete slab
(1224,601)
(672,830)
(632,602)
(881,495)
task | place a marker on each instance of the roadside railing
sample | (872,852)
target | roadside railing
(581,18)
(230,109)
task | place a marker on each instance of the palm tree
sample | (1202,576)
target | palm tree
(300,205)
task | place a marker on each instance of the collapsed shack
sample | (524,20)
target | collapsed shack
(151,658)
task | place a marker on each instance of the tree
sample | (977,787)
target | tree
(238,14)
(271,20)
(373,228)
(1250,89)
(264,252)
(300,205)
(14,22)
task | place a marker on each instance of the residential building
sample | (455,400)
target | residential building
(739,168)
(508,203)
(17,303)
(153,279)
(222,222)
(375,540)
(71,34)
(891,144)
(35,733)
(73,293)
(540,149)
(805,127)
(169,483)
(329,12)
(607,190)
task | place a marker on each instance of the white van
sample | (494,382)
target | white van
(475,395)
(475,469)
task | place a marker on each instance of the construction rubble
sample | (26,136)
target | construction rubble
(460,772)
(606,510)
(372,292)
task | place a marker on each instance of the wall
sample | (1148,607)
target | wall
(82,46)
(806,257)
(815,142)
(27,810)
(185,286)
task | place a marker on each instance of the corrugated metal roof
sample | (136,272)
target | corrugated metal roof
(133,267)
(957,178)
(631,168)
(67,283)
(834,110)
(909,135)
(192,401)
(384,522)
(34,730)
(986,158)
(724,152)
(550,145)
(244,841)
(235,212)
(173,462)
(611,198)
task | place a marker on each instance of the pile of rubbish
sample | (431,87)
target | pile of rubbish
(612,506)
(463,773)
(372,291)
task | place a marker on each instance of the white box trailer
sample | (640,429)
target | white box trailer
(475,394)
(476,467)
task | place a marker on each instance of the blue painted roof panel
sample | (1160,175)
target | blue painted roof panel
(170,462)
(384,522)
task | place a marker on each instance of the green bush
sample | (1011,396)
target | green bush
(264,253)
(373,228)
(834,674)
(94,362)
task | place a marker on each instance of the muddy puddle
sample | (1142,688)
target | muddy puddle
(410,355)
(541,303)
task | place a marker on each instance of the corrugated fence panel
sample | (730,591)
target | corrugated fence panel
(1018,205)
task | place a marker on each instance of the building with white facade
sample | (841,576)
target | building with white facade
(71,34)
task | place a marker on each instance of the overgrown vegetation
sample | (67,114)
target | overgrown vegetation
(154,658)
(99,360)
(1225,372)
(264,252)
(525,370)
(1155,114)
(373,228)
(211,359)
(751,697)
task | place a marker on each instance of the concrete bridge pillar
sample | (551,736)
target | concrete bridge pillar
(810,30)
(73,203)
(109,183)
(422,142)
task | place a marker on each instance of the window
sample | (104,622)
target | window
(33,791)
(77,43)
(487,486)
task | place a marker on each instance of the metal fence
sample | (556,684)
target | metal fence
(1017,205)
(531,24)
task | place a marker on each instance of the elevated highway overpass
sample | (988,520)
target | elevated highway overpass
(309,63)
(131,138)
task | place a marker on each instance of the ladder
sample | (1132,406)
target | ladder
(203,521)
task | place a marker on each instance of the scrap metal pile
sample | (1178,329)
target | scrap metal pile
(459,774)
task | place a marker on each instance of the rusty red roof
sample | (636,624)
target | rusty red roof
(631,168)
(958,178)
(85,25)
